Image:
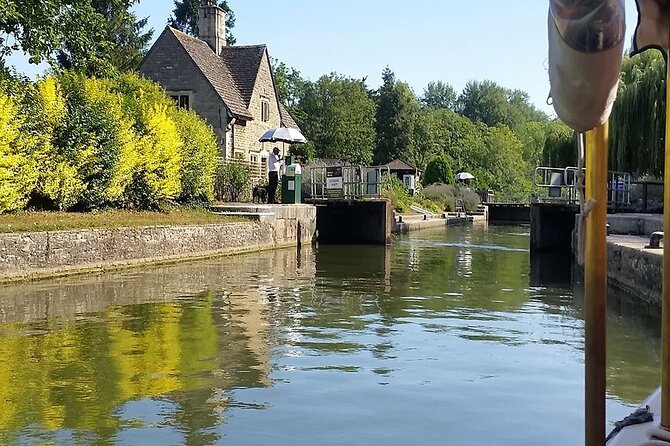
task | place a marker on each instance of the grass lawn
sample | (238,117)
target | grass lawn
(55,221)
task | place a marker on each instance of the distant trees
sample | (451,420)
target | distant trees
(185,18)
(397,109)
(338,115)
(439,95)
(490,131)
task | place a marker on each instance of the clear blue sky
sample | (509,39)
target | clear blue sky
(422,41)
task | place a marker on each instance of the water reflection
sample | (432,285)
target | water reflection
(441,328)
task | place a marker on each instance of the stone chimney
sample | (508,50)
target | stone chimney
(212,25)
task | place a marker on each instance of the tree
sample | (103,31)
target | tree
(337,115)
(491,104)
(397,109)
(438,171)
(637,123)
(560,149)
(483,102)
(125,41)
(289,83)
(185,18)
(41,31)
(439,95)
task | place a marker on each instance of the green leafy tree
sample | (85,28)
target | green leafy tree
(438,171)
(337,115)
(491,104)
(40,29)
(124,42)
(397,109)
(637,123)
(560,146)
(289,84)
(185,18)
(439,95)
(483,102)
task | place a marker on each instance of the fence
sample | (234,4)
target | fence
(344,182)
(560,185)
(257,171)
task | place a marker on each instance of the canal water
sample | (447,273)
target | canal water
(447,337)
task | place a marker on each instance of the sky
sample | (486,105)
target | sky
(421,41)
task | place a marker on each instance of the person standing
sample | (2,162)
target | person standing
(274,164)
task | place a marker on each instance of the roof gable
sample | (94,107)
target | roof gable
(215,71)
(398,164)
(243,63)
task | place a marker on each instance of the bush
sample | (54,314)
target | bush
(17,171)
(423,202)
(442,194)
(438,170)
(95,151)
(394,190)
(72,142)
(447,196)
(231,181)
(470,199)
(199,154)
(156,177)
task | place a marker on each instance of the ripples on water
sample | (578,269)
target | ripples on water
(450,337)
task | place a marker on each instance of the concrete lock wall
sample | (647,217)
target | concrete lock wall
(368,221)
(28,255)
(551,226)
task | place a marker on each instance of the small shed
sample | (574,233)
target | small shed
(409,174)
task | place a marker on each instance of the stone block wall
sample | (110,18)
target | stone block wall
(246,136)
(637,272)
(27,255)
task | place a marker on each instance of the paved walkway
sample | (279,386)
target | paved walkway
(635,242)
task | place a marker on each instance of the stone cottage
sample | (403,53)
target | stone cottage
(232,87)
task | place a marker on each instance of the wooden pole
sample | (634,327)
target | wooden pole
(665,354)
(595,285)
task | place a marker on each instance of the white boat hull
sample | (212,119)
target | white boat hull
(637,434)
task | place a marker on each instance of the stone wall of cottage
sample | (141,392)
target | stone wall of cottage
(246,136)
(168,64)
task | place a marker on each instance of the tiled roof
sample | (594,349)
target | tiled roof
(216,72)
(286,118)
(243,63)
(399,164)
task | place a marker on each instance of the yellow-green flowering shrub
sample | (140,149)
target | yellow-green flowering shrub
(199,155)
(156,177)
(98,140)
(17,172)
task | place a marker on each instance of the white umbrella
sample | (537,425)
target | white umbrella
(283,134)
(464,176)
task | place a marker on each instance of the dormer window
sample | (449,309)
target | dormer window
(265,109)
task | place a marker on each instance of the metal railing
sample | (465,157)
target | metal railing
(560,185)
(357,182)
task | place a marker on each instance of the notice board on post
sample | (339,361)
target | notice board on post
(334,182)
